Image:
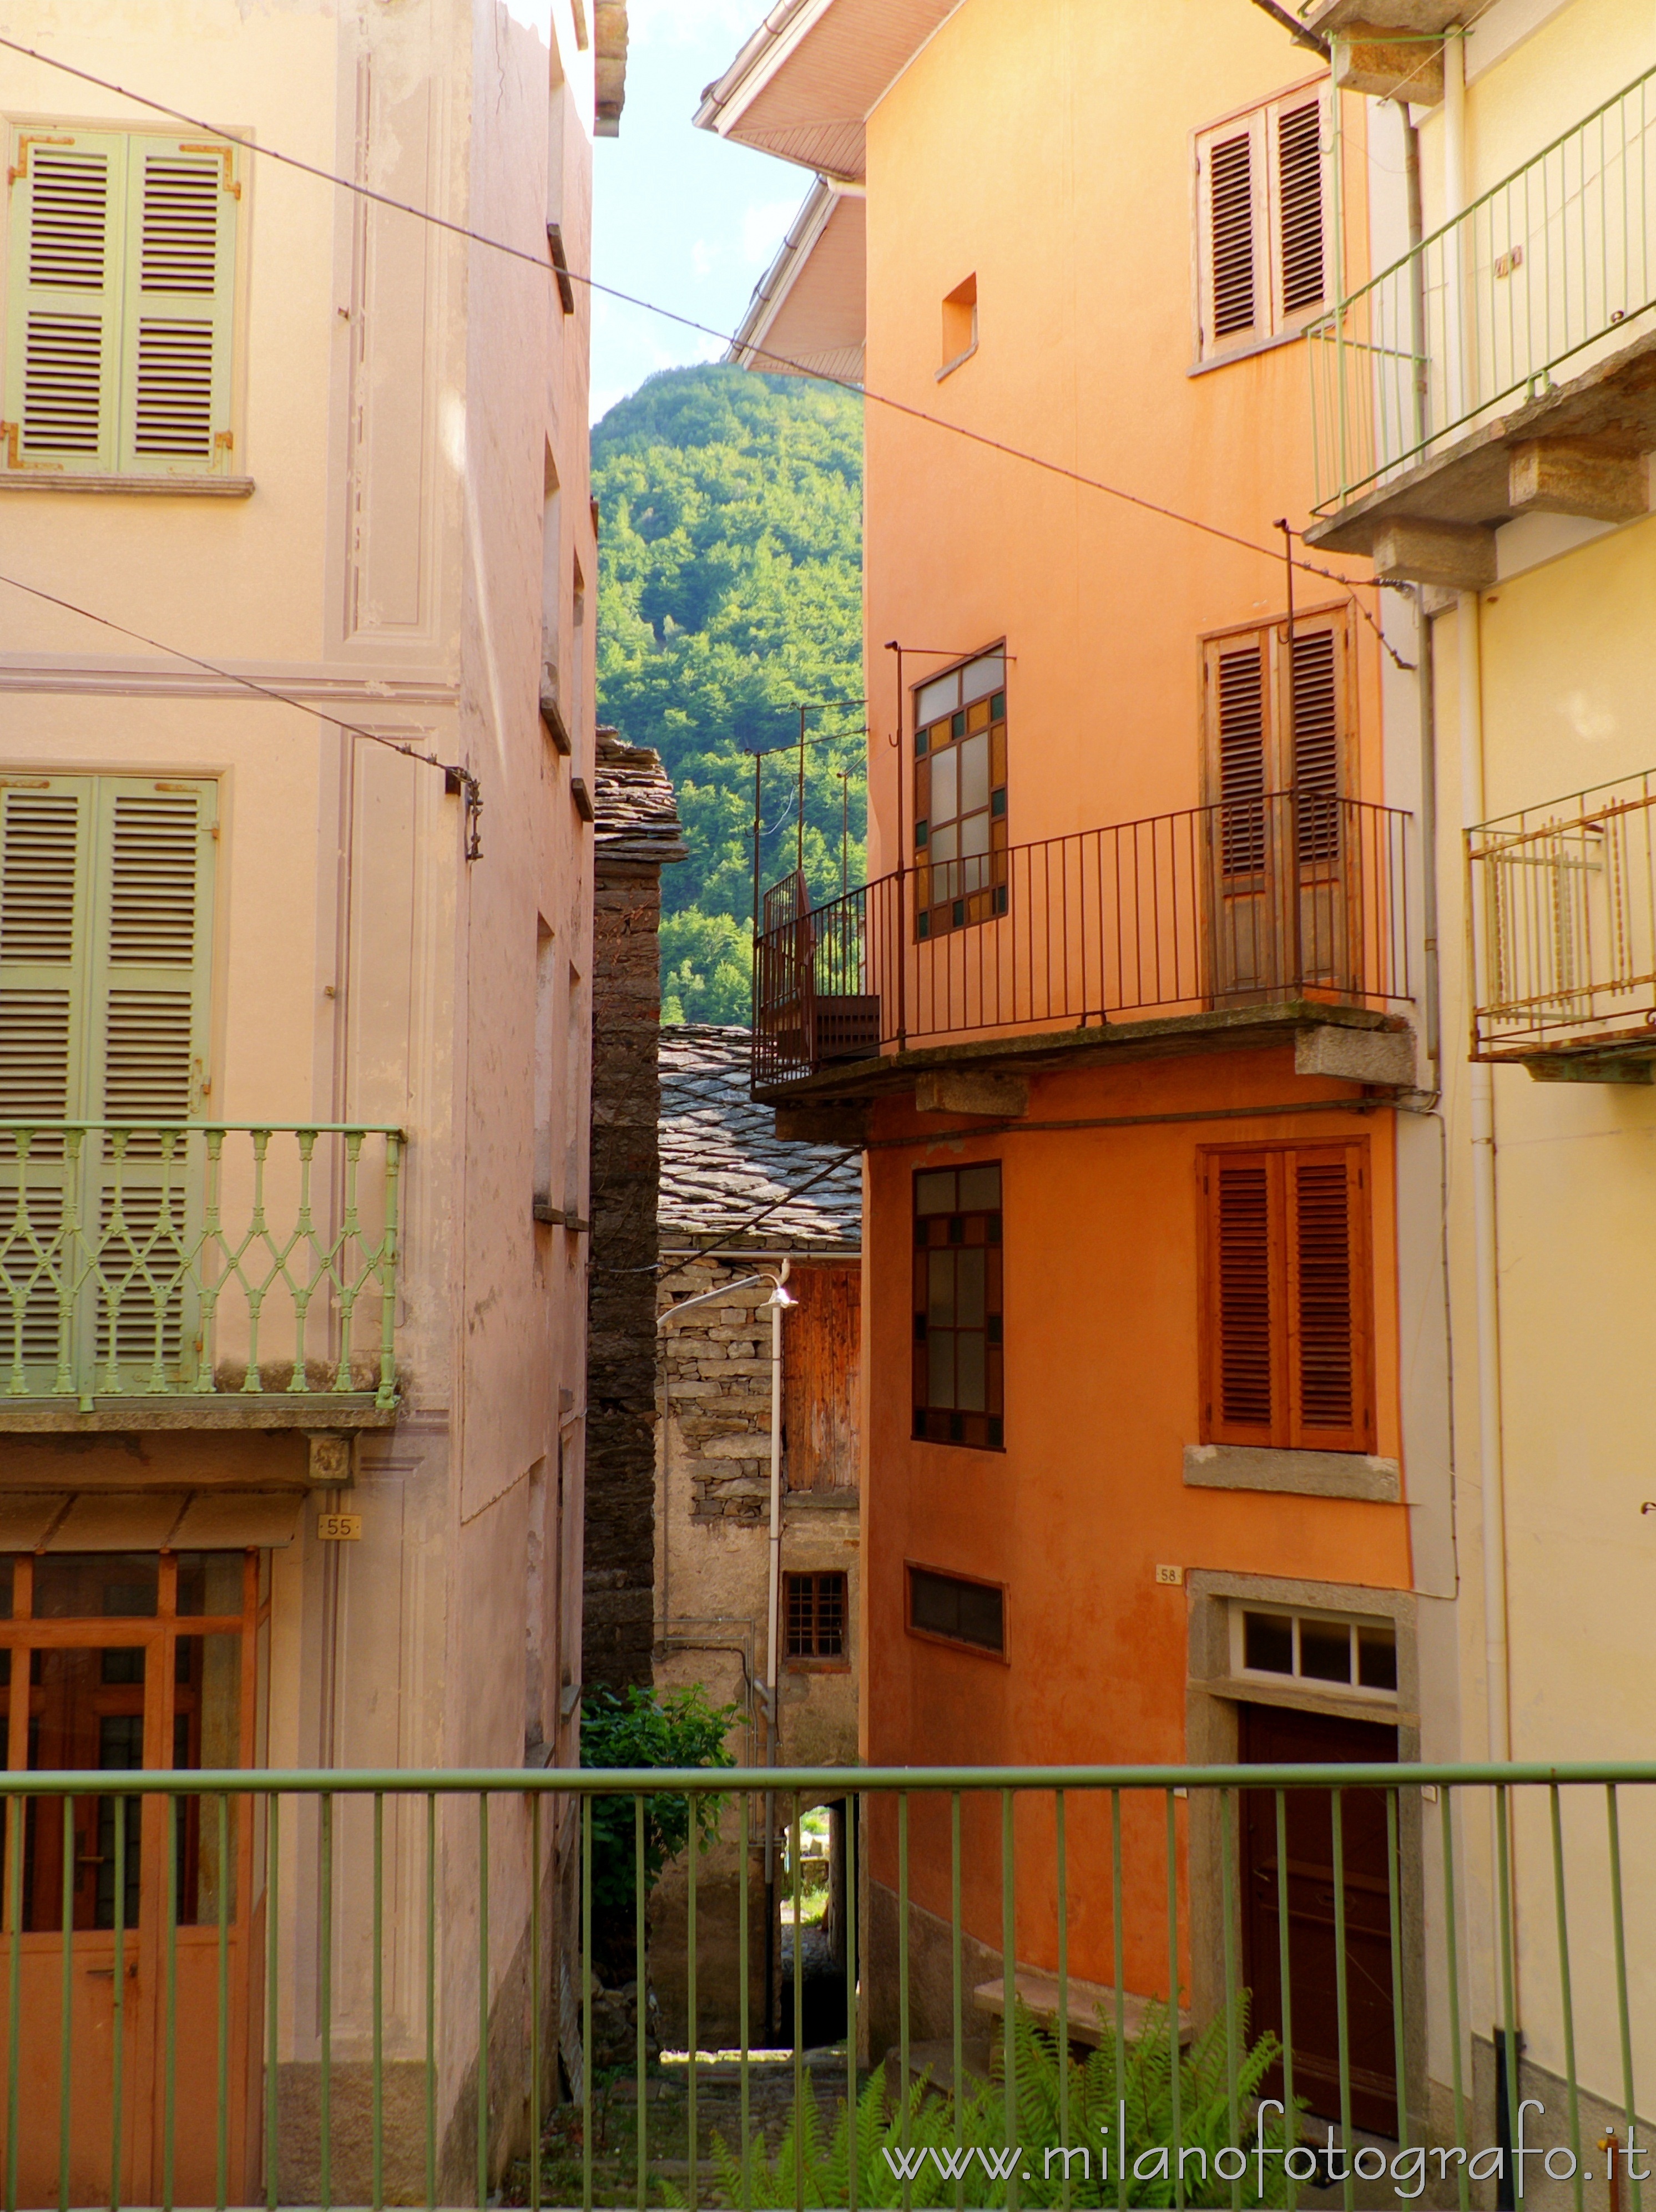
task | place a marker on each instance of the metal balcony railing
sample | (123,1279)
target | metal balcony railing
(1562,908)
(357,1988)
(1250,902)
(171,1258)
(1553,267)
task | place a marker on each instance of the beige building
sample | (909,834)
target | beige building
(1486,415)
(294,752)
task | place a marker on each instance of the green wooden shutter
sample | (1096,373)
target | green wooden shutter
(179,299)
(63,338)
(147,1020)
(147,1002)
(45,840)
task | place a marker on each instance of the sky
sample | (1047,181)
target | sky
(679,215)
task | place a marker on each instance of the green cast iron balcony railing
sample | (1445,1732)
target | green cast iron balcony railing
(1561,914)
(359,1988)
(1551,270)
(148,1259)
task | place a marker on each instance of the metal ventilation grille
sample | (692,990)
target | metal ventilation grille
(62,383)
(152,916)
(1231,199)
(1323,1224)
(37,877)
(1299,192)
(1242,760)
(179,247)
(174,400)
(1245,1273)
(68,222)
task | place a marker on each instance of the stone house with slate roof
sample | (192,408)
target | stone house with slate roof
(733,1201)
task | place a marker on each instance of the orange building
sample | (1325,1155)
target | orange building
(1124,1017)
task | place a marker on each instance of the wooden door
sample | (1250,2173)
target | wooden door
(123,1662)
(1270,1735)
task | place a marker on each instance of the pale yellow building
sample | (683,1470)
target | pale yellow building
(295,742)
(1485,408)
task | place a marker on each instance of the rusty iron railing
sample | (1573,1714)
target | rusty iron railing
(1561,915)
(1255,901)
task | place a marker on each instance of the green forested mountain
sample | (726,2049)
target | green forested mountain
(730,590)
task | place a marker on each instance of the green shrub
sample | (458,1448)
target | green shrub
(671,1728)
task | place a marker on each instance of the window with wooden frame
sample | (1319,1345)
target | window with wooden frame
(120,305)
(958,1377)
(960,796)
(1262,256)
(1287,1352)
(815,1609)
(957,1609)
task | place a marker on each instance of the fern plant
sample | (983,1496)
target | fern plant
(913,2152)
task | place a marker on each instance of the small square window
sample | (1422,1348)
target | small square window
(815,1607)
(1268,1642)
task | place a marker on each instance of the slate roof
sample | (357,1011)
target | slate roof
(721,1164)
(634,812)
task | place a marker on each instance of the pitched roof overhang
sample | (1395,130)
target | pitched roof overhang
(805,82)
(808,313)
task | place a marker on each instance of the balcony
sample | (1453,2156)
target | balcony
(197,1275)
(1289,905)
(1563,924)
(1438,412)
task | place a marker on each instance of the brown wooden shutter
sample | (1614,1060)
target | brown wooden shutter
(1327,1302)
(1230,197)
(1243,1392)
(1288,1327)
(1316,744)
(1299,205)
(1241,682)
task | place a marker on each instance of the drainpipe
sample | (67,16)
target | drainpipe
(1481,1086)
(777,1299)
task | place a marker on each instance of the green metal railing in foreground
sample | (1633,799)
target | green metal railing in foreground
(198,1259)
(413,1930)
(1556,258)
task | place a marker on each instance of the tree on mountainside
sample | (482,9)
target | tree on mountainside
(731,590)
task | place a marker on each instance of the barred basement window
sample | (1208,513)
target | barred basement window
(815,1608)
(957,1379)
(959,1610)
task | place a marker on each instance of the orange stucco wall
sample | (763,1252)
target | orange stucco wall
(1049,151)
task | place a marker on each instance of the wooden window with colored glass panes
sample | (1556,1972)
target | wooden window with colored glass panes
(960,797)
(958,1356)
(1287,1306)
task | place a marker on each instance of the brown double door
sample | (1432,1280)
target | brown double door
(123,1908)
(1273,1737)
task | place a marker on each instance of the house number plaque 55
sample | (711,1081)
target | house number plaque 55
(339,1528)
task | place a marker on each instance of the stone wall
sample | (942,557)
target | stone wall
(717,1366)
(620,1530)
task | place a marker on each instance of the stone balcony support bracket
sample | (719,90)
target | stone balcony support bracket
(1458,555)
(1574,475)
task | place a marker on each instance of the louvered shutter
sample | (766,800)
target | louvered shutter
(1232,233)
(179,296)
(1287,1356)
(147,1013)
(45,842)
(1327,1303)
(1297,137)
(1245,1386)
(62,338)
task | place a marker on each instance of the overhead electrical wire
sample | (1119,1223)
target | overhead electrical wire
(540,261)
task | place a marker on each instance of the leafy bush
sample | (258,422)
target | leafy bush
(673,1727)
(977,2157)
